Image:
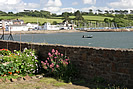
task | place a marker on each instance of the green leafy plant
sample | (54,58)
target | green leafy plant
(26,60)
(4,52)
(18,62)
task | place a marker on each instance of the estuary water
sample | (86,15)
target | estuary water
(100,39)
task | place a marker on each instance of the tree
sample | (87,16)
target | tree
(106,20)
(65,16)
(78,15)
(10,13)
(90,12)
(54,23)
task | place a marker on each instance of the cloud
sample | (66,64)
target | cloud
(122,4)
(75,3)
(54,3)
(16,5)
(89,1)
(95,9)
(51,5)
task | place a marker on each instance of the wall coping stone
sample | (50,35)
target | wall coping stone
(71,46)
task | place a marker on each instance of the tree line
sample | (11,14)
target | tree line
(120,17)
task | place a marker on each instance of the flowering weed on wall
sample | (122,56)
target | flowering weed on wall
(18,62)
(58,65)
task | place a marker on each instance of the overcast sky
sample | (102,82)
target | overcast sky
(59,6)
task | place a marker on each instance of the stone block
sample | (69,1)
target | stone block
(1,80)
(33,77)
(13,80)
(27,77)
(123,70)
(6,80)
(39,76)
(113,67)
(20,79)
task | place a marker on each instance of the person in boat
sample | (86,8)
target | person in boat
(83,36)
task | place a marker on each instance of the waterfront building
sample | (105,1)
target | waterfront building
(48,26)
(17,27)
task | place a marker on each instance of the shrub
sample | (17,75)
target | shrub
(4,52)
(19,62)
(58,65)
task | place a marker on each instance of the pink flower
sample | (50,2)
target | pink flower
(55,57)
(42,62)
(58,53)
(53,50)
(51,59)
(49,54)
(45,67)
(67,59)
(51,66)
(48,58)
(57,66)
(61,54)
(46,61)
(66,63)
(61,60)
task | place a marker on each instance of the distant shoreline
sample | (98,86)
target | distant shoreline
(64,31)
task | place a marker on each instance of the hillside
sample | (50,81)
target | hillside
(57,19)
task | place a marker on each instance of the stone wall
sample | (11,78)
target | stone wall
(114,65)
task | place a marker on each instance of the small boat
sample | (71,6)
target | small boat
(89,36)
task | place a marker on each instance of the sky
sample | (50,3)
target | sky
(59,6)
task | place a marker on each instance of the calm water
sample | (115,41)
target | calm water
(100,39)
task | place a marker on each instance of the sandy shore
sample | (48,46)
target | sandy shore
(38,32)
(63,31)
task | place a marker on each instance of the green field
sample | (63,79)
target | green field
(41,20)
(8,17)
(93,18)
(57,19)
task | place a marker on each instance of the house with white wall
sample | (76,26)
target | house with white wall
(17,27)
(32,26)
(48,26)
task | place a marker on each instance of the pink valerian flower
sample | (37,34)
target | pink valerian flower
(53,50)
(45,67)
(66,63)
(58,53)
(48,58)
(55,57)
(42,62)
(47,64)
(61,54)
(46,61)
(57,66)
(49,54)
(51,59)
(67,59)
(51,66)
(61,60)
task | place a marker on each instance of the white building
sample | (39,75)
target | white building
(17,27)
(32,26)
(48,26)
